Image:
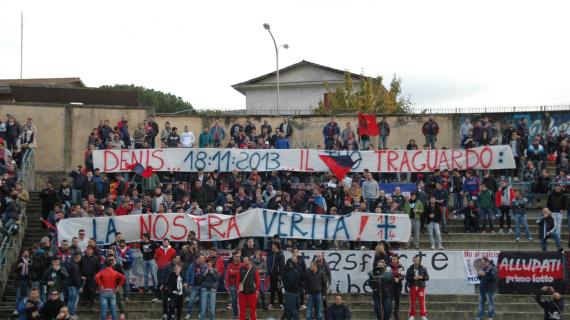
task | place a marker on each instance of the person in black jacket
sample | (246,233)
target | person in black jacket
(73,283)
(547,229)
(382,283)
(90,265)
(51,308)
(488,277)
(302,267)
(275,273)
(324,267)
(556,204)
(416,278)
(552,308)
(175,292)
(316,285)
(398,275)
(339,310)
(49,199)
(292,282)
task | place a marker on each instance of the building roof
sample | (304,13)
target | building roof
(48,82)
(240,86)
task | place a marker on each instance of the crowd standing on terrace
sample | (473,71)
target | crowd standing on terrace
(56,275)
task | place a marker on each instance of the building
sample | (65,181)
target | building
(301,88)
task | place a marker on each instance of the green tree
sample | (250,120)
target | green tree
(370,97)
(160,101)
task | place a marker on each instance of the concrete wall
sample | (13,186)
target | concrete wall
(308,129)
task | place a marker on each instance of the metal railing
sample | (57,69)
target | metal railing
(415,110)
(10,240)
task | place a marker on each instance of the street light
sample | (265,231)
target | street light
(284,46)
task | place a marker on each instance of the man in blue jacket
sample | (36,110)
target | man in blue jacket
(193,282)
(488,277)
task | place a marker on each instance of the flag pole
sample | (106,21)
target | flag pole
(21,42)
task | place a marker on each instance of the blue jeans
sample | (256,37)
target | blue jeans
(520,219)
(108,298)
(72,299)
(208,300)
(490,298)
(150,266)
(554,236)
(291,305)
(382,142)
(316,300)
(370,205)
(430,140)
(457,200)
(486,217)
(76,196)
(234,300)
(127,285)
(22,291)
(558,221)
(194,294)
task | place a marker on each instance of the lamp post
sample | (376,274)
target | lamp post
(284,46)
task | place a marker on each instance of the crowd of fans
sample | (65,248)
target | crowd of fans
(55,271)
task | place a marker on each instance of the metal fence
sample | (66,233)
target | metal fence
(8,240)
(416,110)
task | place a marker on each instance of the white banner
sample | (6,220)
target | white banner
(251,223)
(472,263)
(349,270)
(304,160)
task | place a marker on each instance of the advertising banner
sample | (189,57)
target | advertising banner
(526,272)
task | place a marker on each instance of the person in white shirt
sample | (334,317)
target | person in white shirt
(187,138)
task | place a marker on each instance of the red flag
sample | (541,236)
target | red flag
(339,165)
(367,125)
(147,173)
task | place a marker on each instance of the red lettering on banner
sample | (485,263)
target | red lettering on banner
(414,162)
(134,156)
(392,156)
(105,158)
(232,224)
(380,153)
(456,154)
(145,227)
(181,226)
(198,221)
(307,162)
(123,161)
(483,152)
(161,217)
(442,156)
(467,152)
(405,161)
(429,152)
(301,162)
(212,226)
(155,156)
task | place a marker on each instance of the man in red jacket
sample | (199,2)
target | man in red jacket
(248,283)
(163,256)
(231,281)
(109,281)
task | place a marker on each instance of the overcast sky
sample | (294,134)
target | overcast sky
(448,53)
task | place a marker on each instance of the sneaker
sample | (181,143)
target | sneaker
(511,231)
(164,317)
(411,318)
(432,248)
(15,312)
(417,246)
(483,231)
(501,231)
(122,317)
(530,239)
(155,300)
(492,231)
(424,318)
(281,307)
(303,307)
(187,316)
(517,239)
(362,248)
(440,247)
(127,299)
(229,307)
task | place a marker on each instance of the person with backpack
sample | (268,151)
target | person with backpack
(248,280)
(488,277)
